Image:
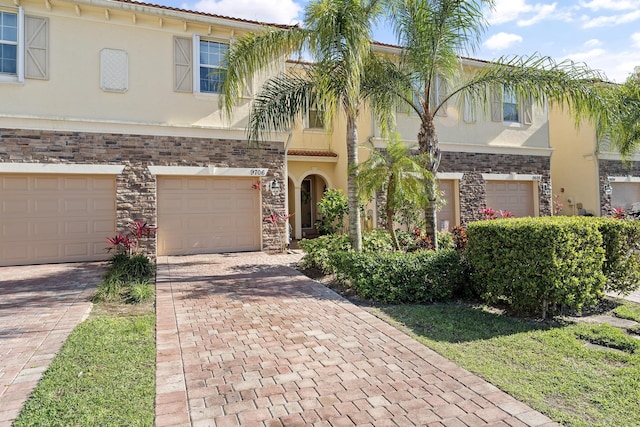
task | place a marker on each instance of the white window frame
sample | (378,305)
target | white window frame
(507,90)
(307,121)
(197,65)
(19,76)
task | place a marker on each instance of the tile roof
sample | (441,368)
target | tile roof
(230,18)
(312,153)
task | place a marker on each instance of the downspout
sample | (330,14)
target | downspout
(287,234)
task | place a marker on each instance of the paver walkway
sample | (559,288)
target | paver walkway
(243,342)
(39,306)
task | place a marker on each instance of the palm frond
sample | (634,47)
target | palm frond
(566,84)
(257,52)
(278,104)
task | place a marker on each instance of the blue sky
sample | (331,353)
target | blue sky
(604,34)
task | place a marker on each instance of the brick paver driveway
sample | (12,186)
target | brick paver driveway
(243,342)
(39,306)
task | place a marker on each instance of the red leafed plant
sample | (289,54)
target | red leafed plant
(121,244)
(127,243)
(489,213)
(619,213)
(139,229)
(275,217)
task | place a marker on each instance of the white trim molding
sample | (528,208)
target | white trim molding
(617,156)
(627,178)
(52,124)
(449,175)
(510,177)
(207,171)
(477,148)
(61,168)
(313,159)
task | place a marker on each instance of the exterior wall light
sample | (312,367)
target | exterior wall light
(274,187)
(608,189)
(546,188)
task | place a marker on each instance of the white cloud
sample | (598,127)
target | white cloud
(605,21)
(525,14)
(635,38)
(610,4)
(543,11)
(592,43)
(269,11)
(508,10)
(617,65)
(502,41)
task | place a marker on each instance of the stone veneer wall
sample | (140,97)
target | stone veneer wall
(609,168)
(136,186)
(473,188)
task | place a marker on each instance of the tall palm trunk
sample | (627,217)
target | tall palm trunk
(390,213)
(428,144)
(355,229)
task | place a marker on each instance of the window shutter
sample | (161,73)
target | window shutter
(496,105)
(527,110)
(469,109)
(36,57)
(182,64)
(442,94)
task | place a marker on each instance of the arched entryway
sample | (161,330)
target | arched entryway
(303,198)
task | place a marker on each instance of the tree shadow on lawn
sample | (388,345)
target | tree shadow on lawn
(460,322)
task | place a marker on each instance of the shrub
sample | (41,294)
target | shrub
(399,277)
(534,264)
(377,240)
(125,273)
(316,251)
(332,207)
(111,289)
(621,242)
(140,291)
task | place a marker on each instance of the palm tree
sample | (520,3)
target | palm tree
(336,34)
(433,35)
(400,175)
(622,126)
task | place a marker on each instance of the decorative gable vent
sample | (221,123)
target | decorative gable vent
(114,70)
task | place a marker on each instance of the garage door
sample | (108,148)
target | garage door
(512,196)
(447,215)
(207,215)
(55,218)
(625,194)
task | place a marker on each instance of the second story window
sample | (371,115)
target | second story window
(8,43)
(509,105)
(212,67)
(315,116)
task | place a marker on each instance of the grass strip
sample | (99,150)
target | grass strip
(546,366)
(628,311)
(104,375)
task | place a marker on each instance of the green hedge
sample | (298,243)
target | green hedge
(621,241)
(537,264)
(316,251)
(399,277)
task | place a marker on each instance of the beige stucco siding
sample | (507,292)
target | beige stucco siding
(73,91)
(574,169)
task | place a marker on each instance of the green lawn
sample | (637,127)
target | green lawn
(103,376)
(546,366)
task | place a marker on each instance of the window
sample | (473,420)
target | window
(315,116)
(212,67)
(509,105)
(8,43)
